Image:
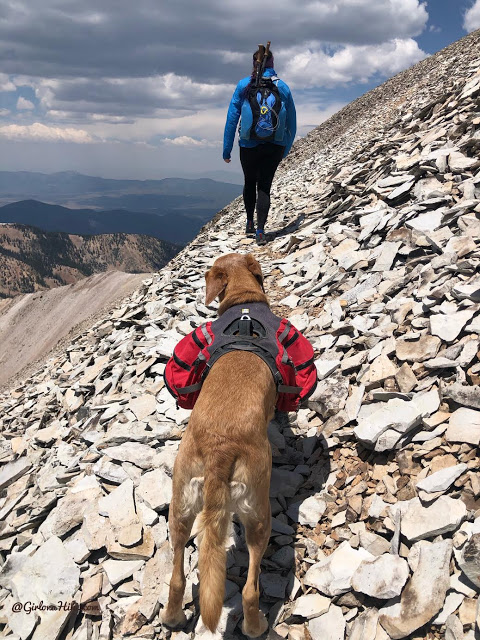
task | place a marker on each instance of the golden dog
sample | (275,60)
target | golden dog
(224,462)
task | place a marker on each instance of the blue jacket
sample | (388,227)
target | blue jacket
(235,108)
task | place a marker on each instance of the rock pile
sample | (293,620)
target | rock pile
(375,486)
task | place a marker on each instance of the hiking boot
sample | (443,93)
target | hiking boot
(250,230)
(260,237)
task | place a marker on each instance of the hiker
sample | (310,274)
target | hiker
(267,130)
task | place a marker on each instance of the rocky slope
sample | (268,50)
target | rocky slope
(375,489)
(34,324)
(33,260)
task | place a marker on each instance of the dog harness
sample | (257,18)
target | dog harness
(245,327)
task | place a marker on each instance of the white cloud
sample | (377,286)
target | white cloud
(41,133)
(6,84)
(187,141)
(471,19)
(4,112)
(24,104)
(315,67)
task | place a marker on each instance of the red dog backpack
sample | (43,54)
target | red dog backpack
(249,327)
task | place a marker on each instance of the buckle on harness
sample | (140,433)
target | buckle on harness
(245,324)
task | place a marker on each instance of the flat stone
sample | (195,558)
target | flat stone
(417,350)
(426,222)
(119,507)
(69,510)
(451,604)
(155,489)
(383,577)
(424,594)
(448,327)
(329,626)
(119,570)
(464,426)
(365,627)
(143,406)
(13,470)
(441,480)
(396,414)
(419,522)
(138,454)
(309,511)
(378,371)
(311,606)
(332,576)
(405,378)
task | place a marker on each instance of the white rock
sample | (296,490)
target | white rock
(464,426)
(332,576)
(451,604)
(424,594)
(311,606)
(384,577)
(330,626)
(119,506)
(155,489)
(309,511)
(420,522)
(448,327)
(441,480)
(119,570)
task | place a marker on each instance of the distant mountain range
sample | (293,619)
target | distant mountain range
(31,259)
(172,209)
(178,227)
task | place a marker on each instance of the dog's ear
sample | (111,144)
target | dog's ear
(254,266)
(216,283)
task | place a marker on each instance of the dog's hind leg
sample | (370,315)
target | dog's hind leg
(186,503)
(257,534)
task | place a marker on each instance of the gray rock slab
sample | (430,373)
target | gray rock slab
(470,559)
(424,594)
(13,470)
(138,454)
(285,483)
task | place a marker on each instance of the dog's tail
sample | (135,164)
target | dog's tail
(215,520)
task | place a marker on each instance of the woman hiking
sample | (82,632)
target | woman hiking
(267,130)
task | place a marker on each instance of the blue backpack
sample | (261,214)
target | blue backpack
(263,114)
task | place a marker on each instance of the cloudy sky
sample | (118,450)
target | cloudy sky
(140,89)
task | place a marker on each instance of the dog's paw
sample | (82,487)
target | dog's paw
(254,631)
(175,620)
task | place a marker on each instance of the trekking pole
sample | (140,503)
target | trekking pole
(259,61)
(265,56)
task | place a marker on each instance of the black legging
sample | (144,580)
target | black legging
(259,165)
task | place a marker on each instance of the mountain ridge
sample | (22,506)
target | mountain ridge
(32,259)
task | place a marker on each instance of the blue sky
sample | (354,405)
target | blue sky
(141,90)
